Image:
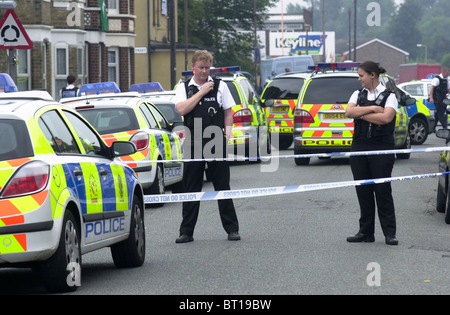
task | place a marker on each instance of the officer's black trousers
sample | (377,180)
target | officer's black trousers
(373,167)
(441,113)
(193,182)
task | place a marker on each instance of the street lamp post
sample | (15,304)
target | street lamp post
(426,52)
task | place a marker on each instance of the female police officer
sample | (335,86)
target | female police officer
(205,104)
(373,109)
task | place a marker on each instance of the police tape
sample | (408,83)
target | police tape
(318,155)
(271,191)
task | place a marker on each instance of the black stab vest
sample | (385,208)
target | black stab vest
(208,109)
(367,130)
(65,92)
(440,91)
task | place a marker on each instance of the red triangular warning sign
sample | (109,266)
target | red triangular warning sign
(12,33)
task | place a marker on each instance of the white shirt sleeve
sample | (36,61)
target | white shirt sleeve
(354,97)
(392,102)
(180,93)
(224,97)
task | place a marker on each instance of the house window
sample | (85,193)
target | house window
(113,6)
(23,70)
(62,69)
(113,65)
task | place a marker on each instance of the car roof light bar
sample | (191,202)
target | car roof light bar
(98,88)
(147,87)
(215,70)
(334,65)
(7,83)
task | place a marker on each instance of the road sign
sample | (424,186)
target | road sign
(12,33)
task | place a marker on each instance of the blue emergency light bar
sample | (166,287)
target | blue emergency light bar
(147,87)
(334,65)
(7,84)
(431,76)
(98,88)
(215,70)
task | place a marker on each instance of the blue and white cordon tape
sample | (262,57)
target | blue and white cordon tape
(271,191)
(321,155)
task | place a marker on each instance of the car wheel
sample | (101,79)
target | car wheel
(158,187)
(447,209)
(418,131)
(131,252)
(62,272)
(285,143)
(301,161)
(407,145)
(441,199)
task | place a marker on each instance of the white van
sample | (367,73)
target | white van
(272,67)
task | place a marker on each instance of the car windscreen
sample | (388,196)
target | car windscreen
(15,140)
(111,119)
(283,89)
(168,110)
(331,90)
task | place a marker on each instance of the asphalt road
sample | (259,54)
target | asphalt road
(291,244)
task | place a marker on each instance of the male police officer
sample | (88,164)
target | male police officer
(70,90)
(440,86)
(206,105)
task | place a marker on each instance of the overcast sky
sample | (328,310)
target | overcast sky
(277,9)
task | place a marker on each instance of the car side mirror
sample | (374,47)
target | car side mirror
(408,101)
(268,103)
(121,148)
(443,134)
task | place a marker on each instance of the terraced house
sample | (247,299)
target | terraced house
(92,39)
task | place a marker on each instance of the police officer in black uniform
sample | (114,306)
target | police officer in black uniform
(374,111)
(71,90)
(440,86)
(206,105)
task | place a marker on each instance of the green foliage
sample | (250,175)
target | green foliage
(446,60)
(224,26)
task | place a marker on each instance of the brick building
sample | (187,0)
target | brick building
(75,37)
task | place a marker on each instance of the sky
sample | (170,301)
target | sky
(277,9)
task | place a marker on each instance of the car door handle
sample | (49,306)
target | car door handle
(103,172)
(78,173)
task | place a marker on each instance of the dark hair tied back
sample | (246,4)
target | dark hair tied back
(372,67)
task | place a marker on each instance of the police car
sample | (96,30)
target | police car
(249,136)
(420,90)
(126,116)
(163,101)
(443,190)
(63,192)
(279,99)
(320,123)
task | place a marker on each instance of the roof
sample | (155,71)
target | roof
(376,40)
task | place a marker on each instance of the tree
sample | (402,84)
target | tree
(224,26)
(403,28)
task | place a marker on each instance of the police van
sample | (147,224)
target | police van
(272,67)
(320,123)
(63,192)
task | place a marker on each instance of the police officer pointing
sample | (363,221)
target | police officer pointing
(206,105)
(373,109)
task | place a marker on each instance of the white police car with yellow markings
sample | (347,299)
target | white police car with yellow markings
(63,191)
(127,116)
